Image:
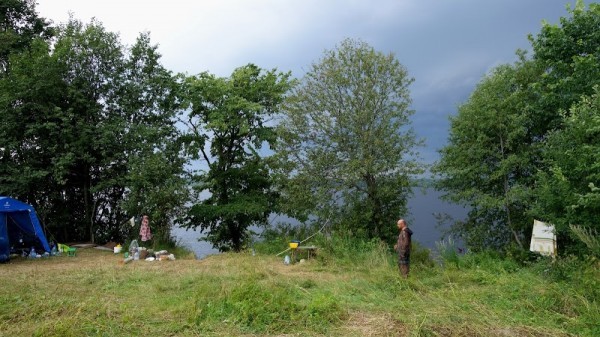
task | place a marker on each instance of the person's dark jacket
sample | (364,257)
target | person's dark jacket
(404,239)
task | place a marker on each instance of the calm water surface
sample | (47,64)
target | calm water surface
(422,207)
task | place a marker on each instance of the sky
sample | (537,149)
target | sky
(447,46)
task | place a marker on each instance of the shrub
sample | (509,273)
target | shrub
(523,256)
(421,255)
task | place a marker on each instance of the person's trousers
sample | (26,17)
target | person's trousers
(404,268)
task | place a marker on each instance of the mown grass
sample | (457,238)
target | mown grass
(361,294)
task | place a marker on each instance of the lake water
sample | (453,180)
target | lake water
(422,207)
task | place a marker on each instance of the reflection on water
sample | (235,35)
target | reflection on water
(422,207)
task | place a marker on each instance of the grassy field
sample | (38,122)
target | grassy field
(95,294)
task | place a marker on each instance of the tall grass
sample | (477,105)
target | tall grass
(448,252)
(351,289)
(589,237)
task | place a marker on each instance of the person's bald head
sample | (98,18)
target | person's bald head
(401,223)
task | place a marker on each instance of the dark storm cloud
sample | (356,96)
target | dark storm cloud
(446,45)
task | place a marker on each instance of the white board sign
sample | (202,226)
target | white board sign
(543,239)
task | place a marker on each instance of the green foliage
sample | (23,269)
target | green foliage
(519,150)
(231,115)
(343,248)
(20,26)
(523,256)
(569,53)
(489,161)
(567,192)
(420,255)
(489,260)
(76,114)
(156,188)
(347,151)
(275,238)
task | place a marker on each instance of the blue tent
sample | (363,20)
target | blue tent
(19,228)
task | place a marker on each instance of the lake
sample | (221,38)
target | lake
(423,206)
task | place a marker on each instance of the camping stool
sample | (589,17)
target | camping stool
(71,251)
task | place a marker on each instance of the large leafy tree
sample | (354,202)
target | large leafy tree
(569,54)
(156,182)
(31,104)
(19,26)
(489,162)
(347,151)
(569,191)
(497,159)
(76,114)
(92,157)
(228,126)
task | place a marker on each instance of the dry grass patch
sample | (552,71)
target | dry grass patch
(367,324)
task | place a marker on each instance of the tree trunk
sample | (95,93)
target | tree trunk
(506,199)
(88,214)
(374,200)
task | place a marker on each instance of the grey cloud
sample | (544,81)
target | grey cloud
(447,46)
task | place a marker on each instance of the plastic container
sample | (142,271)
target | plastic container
(133,247)
(32,253)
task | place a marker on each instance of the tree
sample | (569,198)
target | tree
(489,162)
(347,151)
(76,114)
(569,192)
(498,141)
(229,117)
(569,54)
(31,105)
(19,26)
(122,107)
(156,182)
(156,186)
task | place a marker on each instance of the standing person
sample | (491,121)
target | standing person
(403,247)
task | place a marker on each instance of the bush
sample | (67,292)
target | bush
(340,247)
(421,255)
(523,256)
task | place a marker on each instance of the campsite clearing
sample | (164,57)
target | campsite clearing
(95,294)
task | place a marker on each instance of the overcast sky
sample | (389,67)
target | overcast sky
(446,45)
